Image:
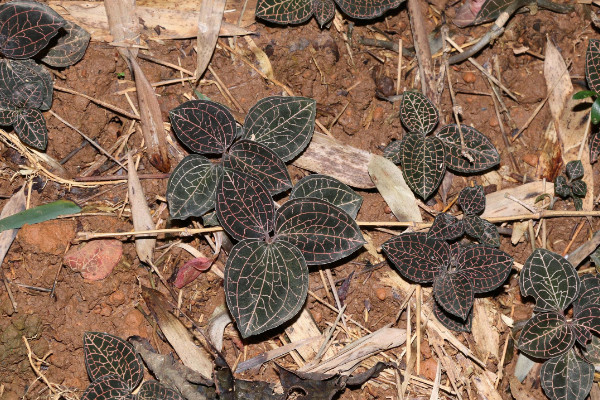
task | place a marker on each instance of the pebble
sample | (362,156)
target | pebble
(387,210)
(493,122)
(531,159)
(469,77)
(378,113)
(380,293)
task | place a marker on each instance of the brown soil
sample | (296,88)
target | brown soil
(333,77)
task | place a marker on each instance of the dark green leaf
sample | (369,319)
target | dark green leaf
(578,203)
(486,267)
(452,322)
(490,10)
(393,151)
(417,112)
(107,354)
(574,169)
(454,293)
(7,116)
(210,219)
(283,124)
(590,291)
(472,200)
(595,114)
(579,188)
(546,335)
(594,147)
(423,163)
(361,9)
(483,152)
(192,186)
(108,387)
(19,79)
(586,322)
(329,189)
(592,350)
(244,206)
(26,27)
(154,390)
(567,377)
(30,125)
(69,46)
(205,127)
(550,280)
(561,187)
(485,232)
(284,11)
(592,65)
(416,256)
(324,11)
(446,227)
(259,161)
(37,214)
(584,94)
(265,284)
(321,231)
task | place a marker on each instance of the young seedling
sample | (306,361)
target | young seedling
(572,186)
(275,130)
(266,275)
(472,202)
(116,370)
(425,158)
(457,272)
(592,75)
(550,334)
(295,12)
(28,29)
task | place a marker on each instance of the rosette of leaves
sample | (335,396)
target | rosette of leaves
(275,130)
(116,370)
(425,158)
(297,11)
(266,275)
(31,29)
(572,186)
(592,76)
(554,284)
(472,201)
(457,272)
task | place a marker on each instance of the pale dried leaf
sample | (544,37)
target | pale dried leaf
(140,213)
(209,24)
(123,25)
(217,323)
(484,387)
(518,230)
(558,80)
(550,157)
(487,338)
(264,64)
(497,205)
(304,327)
(15,204)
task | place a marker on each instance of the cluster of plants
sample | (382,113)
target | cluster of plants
(564,326)
(266,274)
(116,371)
(572,186)
(425,158)
(31,32)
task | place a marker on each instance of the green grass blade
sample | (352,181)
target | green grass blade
(39,214)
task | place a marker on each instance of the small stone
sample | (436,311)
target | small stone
(387,210)
(134,323)
(116,298)
(531,159)
(469,77)
(96,259)
(470,99)
(381,293)
(493,122)
(106,311)
(317,316)
(378,113)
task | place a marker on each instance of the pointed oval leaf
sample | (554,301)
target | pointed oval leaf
(592,350)
(7,116)
(561,187)
(574,169)
(324,11)
(586,323)
(192,187)
(594,147)
(416,256)
(589,292)
(69,48)
(329,189)
(579,188)
(265,284)
(24,73)
(584,94)
(284,11)
(486,266)
(484,231)
(107,387)
(592,64)
(283,124)
(546,335)
(567,377)
(452,322)
(446,227)
(26,27)
(204,126)
(323,232)
(393,151)
(454,293)
(578,203)
(417,112)
(472,200)
(367,9)
(550,279)
(28,96)
(490,10)
(30,125)
(259,161)
(154,390)
(423,163)
(244,206)
(106,354)
(483,152)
